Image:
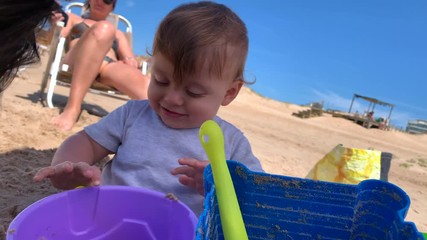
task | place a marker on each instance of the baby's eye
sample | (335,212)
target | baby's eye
(194,94)
(161,82)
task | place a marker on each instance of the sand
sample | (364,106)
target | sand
(285,144)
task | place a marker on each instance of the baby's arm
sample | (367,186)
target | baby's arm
(191,173)
(72,163)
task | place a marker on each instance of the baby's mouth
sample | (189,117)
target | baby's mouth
(171,113)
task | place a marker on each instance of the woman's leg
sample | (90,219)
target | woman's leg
(127,79)
(85,59)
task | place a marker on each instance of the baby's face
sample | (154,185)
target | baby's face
(192,102)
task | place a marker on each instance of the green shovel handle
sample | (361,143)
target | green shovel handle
(212,139)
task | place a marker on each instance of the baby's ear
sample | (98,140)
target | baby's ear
(232,92)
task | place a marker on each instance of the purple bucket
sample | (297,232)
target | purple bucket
(107,212)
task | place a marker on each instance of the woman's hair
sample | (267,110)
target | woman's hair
(87,4)
(196,34)
(18,22)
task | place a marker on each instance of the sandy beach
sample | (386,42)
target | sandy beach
(285,144)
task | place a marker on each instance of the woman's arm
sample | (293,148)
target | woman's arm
(125,50)
(72,20)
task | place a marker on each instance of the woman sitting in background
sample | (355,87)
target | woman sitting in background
(97,51)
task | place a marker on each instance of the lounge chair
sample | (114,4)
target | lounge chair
(57,73)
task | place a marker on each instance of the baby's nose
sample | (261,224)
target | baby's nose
(174,97)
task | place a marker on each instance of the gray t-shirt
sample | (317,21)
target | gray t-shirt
(146,150)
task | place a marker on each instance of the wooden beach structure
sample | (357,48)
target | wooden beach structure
(367,120)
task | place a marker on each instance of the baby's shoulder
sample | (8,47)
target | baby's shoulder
(227,127)
(136,104)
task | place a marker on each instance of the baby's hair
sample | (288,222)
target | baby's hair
(194,34)
(18,22)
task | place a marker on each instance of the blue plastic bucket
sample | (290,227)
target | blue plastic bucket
(280,207)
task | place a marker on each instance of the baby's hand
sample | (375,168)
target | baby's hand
(68,175)
(191,173)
